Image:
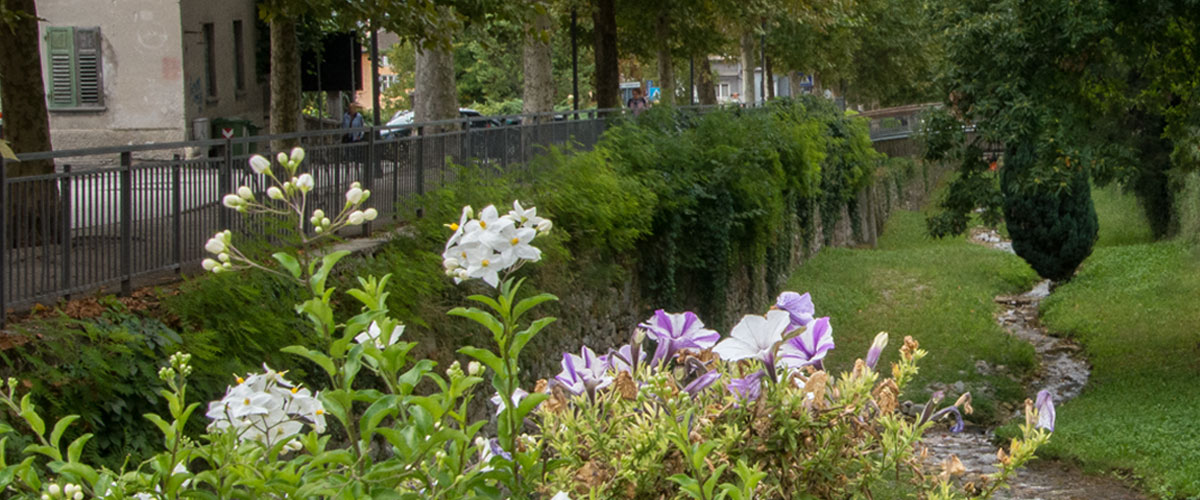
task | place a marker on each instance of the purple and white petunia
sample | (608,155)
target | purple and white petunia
(876,349)
(809,347)
(1045,410)
(517,396)
(624,359)
(799,307)
(584,373)
(748,388)
(675,331)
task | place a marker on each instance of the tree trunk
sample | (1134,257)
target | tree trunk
(747,46)
(705,89)
(436,94)
(285,81)
(538,95)
(666,70)
(607,73)
(32,206)
(770,82)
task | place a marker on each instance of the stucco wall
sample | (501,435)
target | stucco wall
(228,102)
(141,72)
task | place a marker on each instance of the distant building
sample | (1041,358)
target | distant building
(729,81)
(139,71)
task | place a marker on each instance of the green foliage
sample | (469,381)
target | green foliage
(1132,307)
(1053,226)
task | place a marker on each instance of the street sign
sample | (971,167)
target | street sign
(227,132)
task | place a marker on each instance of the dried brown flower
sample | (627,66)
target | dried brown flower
(625,386)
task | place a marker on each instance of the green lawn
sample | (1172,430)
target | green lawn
(1134,307)
(938,291)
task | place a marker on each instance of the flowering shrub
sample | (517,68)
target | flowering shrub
(752,415)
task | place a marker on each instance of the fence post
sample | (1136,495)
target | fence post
(420,164)
(369,173)
(65,189)
(177,213)
(224,175)
(126,223)
(4,225)
(466,142)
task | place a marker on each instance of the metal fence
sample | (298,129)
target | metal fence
(110,217)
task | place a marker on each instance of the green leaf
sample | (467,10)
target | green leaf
(529,303)
(29,413)
(76,447)
(482,317)
(42,449)
(83,471)
(164,427)
(523,337)
(382,408)
(312,355)
(488,358)
(317,282)
(60,427)
(288,262)
(529,403)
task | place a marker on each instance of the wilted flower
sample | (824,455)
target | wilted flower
(675,331)
(799,308)
(1045,410)
(809,347)
(747,388)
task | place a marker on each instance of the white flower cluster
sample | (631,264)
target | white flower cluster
(219,245)
(485,246)
(68,492)
(374,336)
(266,408)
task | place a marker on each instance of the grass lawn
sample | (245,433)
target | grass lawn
(1135,307)
(938,291)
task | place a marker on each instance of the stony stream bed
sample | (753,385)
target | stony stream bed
(1063,371)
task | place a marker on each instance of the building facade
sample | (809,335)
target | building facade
(142,71)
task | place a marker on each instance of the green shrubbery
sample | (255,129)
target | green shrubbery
(675,201)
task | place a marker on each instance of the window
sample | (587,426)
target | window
(210,59)
(75,67)
(723,90)
(239,61)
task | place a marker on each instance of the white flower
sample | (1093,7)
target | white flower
(274,193)
(562,495)
(517,396)
(245,193)
(459,227)
(355,218)
(304,183)
(524,217)
(370,214)
(485,264)
(373,336)
(209,264)
(513,243)
(754,337)
(259,164)
(354,195)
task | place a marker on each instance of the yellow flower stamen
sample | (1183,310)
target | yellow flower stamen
(454,226)
(516,241)
(241,380)
(484,263)
(295,389)
(246,402)
(320,411)
(483,224)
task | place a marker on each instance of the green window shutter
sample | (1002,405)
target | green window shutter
(60,45)
(87,67)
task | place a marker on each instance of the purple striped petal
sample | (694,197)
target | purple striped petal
(799,307)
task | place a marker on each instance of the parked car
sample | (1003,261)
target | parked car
(401,123)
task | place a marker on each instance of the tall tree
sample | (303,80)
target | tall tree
(538,94)
(608,73)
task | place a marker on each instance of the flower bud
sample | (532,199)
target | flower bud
(356,184)
(259,164)
(469,212)
(215,245)
(473,368)
(354,195)
(876,349)
(318,214)
(209,264)
(450,263)
(304,183)
(356,218)
(274,193)
(245,193)
(223,257)
(319,229)
(54,490)
(282,158)
(232,201)
(370,214)
(544,226)
(297,154)
(325,221)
